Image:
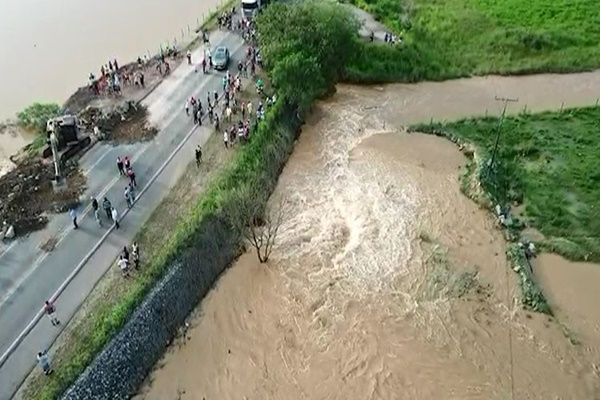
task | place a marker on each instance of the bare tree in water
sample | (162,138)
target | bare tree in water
(258,219)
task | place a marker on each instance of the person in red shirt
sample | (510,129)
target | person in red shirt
(50,311)
(131,175)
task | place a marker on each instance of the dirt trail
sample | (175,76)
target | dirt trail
(386,282)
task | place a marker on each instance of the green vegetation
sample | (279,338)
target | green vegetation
(35,116)
(306,48)
(548,163)
(455,38)
(252,173)
(546,171)
(533,297)
(445,279)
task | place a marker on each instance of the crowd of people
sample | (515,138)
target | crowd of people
(112,79)
(241,116)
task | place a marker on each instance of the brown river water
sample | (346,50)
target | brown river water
(386,282)
(51,46)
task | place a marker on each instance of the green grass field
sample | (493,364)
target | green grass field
(465,37)
(548,165)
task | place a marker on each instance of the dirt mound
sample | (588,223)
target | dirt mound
(125,123)
(27,194)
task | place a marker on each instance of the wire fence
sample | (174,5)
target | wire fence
(525,109)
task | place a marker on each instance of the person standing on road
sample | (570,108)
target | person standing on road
(131,193)
(73,215)
(195,112)
(114,214)
(208,55)
(186,107)
(44,362)
(131,175)
(189,57)
(199,114)
(95,207)
(120,166)
(50,311)
(127,163)
(107,208)
(127,195)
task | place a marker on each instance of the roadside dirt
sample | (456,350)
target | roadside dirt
(28,194)
(125,123)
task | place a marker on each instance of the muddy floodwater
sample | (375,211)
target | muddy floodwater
(51,46)
(386,282)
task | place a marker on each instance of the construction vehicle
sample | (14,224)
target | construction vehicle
(69,136)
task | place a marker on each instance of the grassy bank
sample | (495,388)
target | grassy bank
(456,38)
(545,171)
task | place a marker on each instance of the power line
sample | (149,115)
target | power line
(509,304)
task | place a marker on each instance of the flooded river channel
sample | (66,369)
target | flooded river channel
(386,282)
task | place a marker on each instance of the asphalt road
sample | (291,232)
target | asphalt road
(29,276)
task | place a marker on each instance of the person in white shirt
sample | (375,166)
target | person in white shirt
(226,138)
(123,264)
(115,217)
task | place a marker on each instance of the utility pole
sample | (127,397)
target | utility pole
(505,100)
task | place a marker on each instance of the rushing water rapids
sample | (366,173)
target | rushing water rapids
(386,282)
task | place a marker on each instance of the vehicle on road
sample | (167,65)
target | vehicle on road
(250,8)
(221,58)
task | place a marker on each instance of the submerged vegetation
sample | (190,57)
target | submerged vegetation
(454,38)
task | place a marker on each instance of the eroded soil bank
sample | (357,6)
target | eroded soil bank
(386,281)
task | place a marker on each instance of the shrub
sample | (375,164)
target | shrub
(306,48)
(35,116)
